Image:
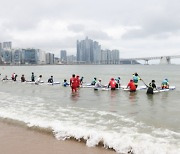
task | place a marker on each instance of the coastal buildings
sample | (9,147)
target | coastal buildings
(88,52)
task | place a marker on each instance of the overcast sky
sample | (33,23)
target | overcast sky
(137,28)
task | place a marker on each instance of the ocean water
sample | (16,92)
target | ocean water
(119,119)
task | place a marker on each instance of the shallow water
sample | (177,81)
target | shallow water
(119,119)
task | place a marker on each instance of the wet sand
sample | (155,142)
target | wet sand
(19,140)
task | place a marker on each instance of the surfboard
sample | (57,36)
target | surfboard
(165,90)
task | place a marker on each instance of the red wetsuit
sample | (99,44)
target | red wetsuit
(112,83)
(73,84)
(132,86)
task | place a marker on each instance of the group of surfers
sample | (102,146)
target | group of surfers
(39,79)
(76,82)
(114,84)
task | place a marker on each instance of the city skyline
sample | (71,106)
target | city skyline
(135,28)
(88,52)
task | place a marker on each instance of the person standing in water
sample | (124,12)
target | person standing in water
(73,83)
(151,87)
(23,78)
(32,77)
(112,84)
(131,86)
(136,79)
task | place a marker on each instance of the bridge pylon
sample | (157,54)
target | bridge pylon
(165,60)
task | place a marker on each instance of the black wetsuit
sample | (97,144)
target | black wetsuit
(151,87)
(33,78)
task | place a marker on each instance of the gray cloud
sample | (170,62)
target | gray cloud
(97,35)
(157,20)
(76,28)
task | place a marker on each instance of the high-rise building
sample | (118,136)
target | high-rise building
(7,45)
(49,58)
(104,56)
(115,56)
(41,57)
(110,57)
(17,56)
(7,56)
(30,56)
(88,51)
(63,56)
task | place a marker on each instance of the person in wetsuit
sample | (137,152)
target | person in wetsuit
(151,87)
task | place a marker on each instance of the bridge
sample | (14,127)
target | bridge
(163,59)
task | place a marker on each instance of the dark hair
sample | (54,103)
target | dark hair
(65,80)
(153,80)
(73,75)
(136,74)
(40,76)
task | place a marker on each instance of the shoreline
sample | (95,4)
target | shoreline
(19,139)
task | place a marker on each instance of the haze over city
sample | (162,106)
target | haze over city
(135,28)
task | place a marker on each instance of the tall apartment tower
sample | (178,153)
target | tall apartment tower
(63,56)
(88,51)
(7,45)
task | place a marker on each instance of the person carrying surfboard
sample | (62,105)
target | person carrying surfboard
(151,87)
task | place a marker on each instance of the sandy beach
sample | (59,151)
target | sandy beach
(18,140)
